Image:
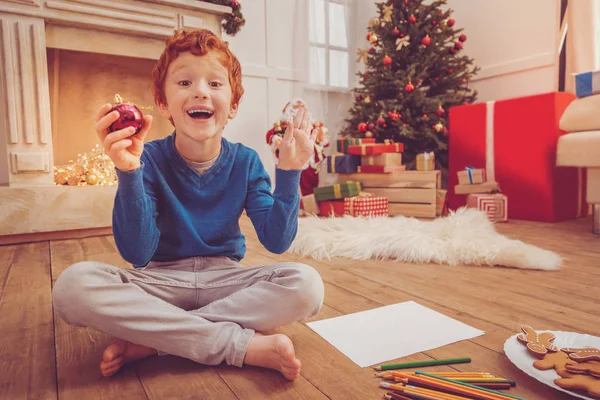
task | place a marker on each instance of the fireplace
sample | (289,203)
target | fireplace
(60,61)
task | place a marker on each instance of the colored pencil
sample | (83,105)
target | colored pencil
(418,364)
(483,383)
(412,390)
(492,392)
(455,387)
(474,380)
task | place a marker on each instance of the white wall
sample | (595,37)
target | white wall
(514,42)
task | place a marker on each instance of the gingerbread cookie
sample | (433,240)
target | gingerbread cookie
(556,361)
(583,354)
(587,368)
(538,344)
(584,383)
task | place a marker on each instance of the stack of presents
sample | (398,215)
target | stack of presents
(374,182)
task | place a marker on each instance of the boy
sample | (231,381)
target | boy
(175,219)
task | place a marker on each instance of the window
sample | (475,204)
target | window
(328,49)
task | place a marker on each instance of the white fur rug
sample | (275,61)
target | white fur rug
(465,237)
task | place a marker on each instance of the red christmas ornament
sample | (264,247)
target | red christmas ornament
(387,60)
(396,31)
(420,80)
(369,36)
(426,41)
(462,38)
(358,97)
(452,50)
(437,79)
(425,116)
(129,116)
(371,126)
(434,22)
(365,76)
(464,80)
(362,127)
(458,45)
(412,19)
(402,35)
(450,70)
(440,111)
(409,87)
(234,3)
(450,22)
(372,50)
(381,121)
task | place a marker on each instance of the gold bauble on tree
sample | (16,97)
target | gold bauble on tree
(439,127)
(368,134)
(373,39)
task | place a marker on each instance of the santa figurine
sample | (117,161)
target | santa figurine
(309,178)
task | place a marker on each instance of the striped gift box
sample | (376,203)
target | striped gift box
(494,205)
(366,206)
(375,149)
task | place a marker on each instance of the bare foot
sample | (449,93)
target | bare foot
(119,353)
(275,352)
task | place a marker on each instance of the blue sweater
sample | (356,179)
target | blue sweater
(165,210)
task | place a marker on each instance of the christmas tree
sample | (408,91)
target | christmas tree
(414,73)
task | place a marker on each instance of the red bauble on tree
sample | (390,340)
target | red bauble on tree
(396,31)
(458,45)
(452,50)
(409,87)
(381,121)
(426,41)
(129,116)
(362,127)
(387,60)
(234,3)
(440,111)
(462,38)
(371,126)
(450,22)
(412,19)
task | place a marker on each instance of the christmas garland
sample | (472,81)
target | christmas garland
(234,21)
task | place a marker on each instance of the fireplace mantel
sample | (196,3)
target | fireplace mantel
(29,200)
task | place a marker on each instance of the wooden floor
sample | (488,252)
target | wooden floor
(43,358)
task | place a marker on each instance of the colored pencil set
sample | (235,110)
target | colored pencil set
(442,385)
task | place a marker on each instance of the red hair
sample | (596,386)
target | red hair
(198,42)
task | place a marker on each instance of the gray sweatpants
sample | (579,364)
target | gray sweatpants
(203,308)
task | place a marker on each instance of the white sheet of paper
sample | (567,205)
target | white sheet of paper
(382,334)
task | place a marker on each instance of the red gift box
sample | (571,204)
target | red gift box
(380,169)
(375,149)
(516,141)
(366,206)
(331,208)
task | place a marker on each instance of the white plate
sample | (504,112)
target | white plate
(517,353)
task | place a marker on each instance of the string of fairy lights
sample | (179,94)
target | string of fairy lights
(93,168)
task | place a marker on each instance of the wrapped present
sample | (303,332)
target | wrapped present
(375,149)
(380,169)
(494,205)
(338,191)
(426,161)
(441,207)
(515,140)
(366,205)
(471,176)
(331,208)
(486,187)
(309,204)
(587,83)
(343,143)
(386,159)
(342,163)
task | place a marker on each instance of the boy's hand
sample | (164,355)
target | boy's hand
(123,149)
(298,144)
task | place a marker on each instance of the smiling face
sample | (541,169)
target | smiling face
(199,97)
